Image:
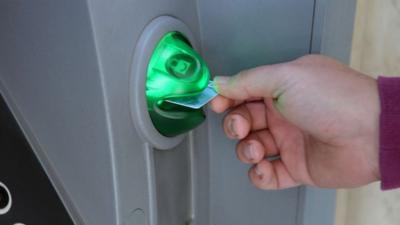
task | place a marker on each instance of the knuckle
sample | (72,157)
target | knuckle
(287,68)
(313,60)
(307,59)
(242,84)
(240,77)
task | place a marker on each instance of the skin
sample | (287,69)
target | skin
(319,117)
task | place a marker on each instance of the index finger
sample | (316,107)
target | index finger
(220,103)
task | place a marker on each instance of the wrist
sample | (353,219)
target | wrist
(373,142)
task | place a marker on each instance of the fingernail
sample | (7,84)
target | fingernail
(258,172)
(231,127)
(220,81)
(250,152)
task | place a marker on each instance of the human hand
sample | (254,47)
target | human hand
(320,117)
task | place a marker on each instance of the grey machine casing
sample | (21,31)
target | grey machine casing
(66,73)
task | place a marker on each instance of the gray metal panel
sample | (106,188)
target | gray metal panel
(49,70)
(318,206)
(337,31)
(240,34)
(233,199)
(117,26)
(237,35)
(173,184)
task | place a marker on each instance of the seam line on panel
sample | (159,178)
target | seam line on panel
(107,115)
(313,26)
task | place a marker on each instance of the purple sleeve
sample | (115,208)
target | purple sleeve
(389,152)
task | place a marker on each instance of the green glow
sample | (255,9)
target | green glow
(175,70)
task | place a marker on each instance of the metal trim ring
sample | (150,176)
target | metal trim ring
(148,40)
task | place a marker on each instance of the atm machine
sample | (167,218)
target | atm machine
(83,142)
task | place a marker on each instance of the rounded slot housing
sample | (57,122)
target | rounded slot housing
(145,47)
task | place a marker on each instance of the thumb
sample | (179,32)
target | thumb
(264,81)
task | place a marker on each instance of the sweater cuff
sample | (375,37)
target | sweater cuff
(389,146)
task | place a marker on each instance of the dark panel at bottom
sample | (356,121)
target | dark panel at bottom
(33,198)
